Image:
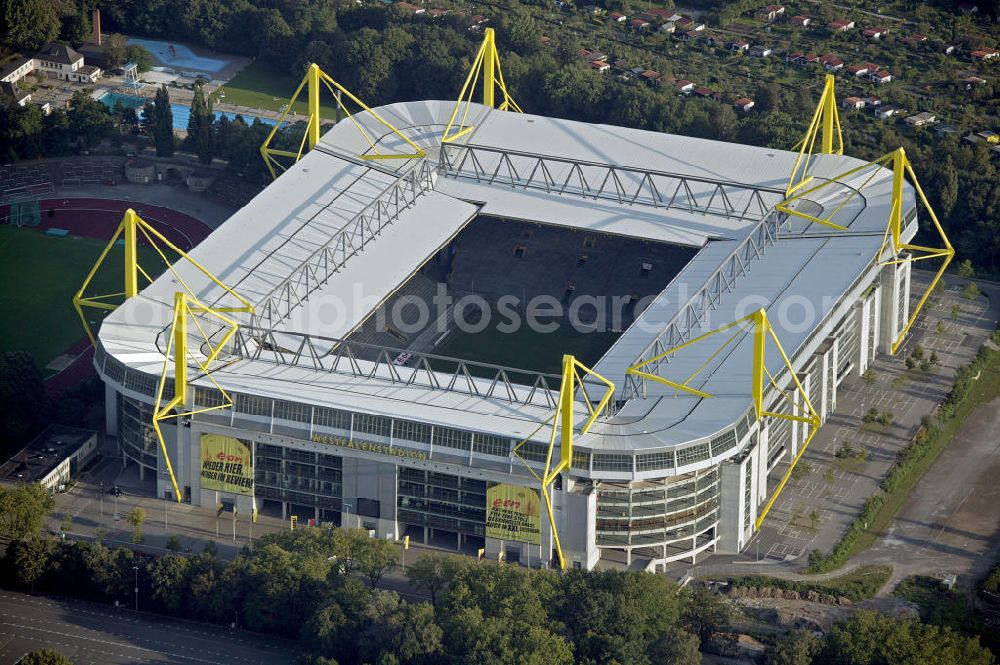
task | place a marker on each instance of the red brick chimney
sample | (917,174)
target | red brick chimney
(96,21)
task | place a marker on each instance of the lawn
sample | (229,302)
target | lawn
(41,274)
(525,348)
(259,88)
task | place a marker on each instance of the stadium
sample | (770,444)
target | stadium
(485,330)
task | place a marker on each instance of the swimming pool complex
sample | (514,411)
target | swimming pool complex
(181,113)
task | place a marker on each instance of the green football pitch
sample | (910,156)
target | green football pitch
(40,275)
(527,349)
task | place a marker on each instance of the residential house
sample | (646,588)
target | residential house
(661,14)
(639,24)
(437,12)
(601,66)
(832,63)
(947,49)
(883,112)
(738,45)
(684,86)
(770,13)
(744,104)
(476,22)
(858,70)
(972,81)
(621,65)
(60,61)
(946,130)
(988,136)
(875,33)
(853,103)
(593,10)
(880,77)
(16,69)
(651,76)
(761,51)
(702,91)
(984,54)
(802,21)
(686,24)
(667,28)
(842,25)
(921,119)
(914,39)
(12,92)
(618,17)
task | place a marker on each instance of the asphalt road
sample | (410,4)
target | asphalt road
(88,633)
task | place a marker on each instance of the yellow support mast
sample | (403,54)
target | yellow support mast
(561,422)
(825,124)
(187,307)
(314,80)
(760,327)
(892,245)
(486,66)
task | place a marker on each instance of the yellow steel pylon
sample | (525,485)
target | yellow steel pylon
(901,167)
(313,79)
(487,64)
(131,229)
(186,305)
(758,323)
(826,125)
(562,425)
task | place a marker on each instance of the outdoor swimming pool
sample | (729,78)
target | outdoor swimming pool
(181,113)
(180,57)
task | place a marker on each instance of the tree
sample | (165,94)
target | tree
(971,291)
(30,557)
(24,405)
(76,27)
(160,123)
(116,50)
(200,137)
(797,647)
(174,543)
(45,657)
(136,517)
(167,579)
(89,119)
(372,557)
(705,614)
(23,510)
(965,269)
(867,638)
(434,572)
(675,647)
(142,58)
(27,24)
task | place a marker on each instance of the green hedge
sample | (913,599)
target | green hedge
(858,585)
(910,461)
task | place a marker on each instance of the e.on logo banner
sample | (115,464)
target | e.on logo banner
(226,465)
(513,513)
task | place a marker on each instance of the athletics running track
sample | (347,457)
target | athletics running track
(99,218)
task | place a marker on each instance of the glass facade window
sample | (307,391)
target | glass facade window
(208,396)
(298,476)
(332,419)
(612,462)
(293,411)
(368,424)
(411,431)
(253,405)
(487,444)
(724,442)
(692,454)
(452,438)
(442,501)
(536,452)
(135,431)
(581,460)
(654,461)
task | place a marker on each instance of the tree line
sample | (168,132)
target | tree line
(322,588)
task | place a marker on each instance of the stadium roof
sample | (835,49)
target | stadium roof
(695,192)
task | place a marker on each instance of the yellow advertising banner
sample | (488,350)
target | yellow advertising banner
(513,513)
(226,464)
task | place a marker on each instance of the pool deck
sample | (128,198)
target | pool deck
(235,62)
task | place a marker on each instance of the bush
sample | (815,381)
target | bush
(971,291)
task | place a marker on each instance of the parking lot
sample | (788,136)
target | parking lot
(827,492)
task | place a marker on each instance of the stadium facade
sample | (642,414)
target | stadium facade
(340,418)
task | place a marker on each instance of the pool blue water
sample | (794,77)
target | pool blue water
(181,113)
(180,57)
